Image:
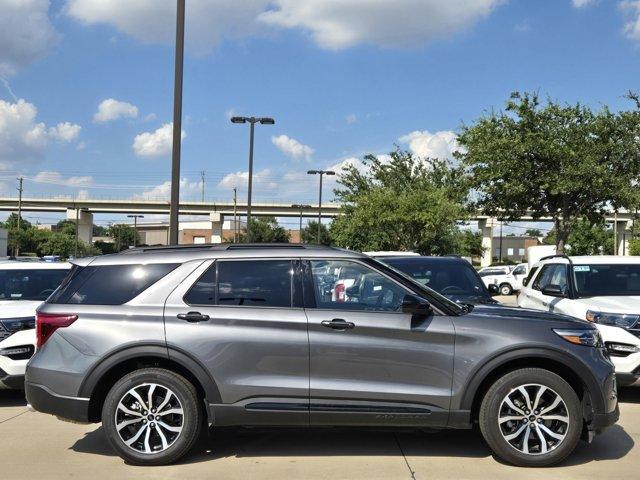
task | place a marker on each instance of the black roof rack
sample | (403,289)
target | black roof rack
(557,255)
(226,246)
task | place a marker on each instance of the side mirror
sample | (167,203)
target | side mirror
(554,291)
(493,289)
(415,305)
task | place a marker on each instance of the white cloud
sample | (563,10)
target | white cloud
(26,34)
(582,3)
(338,24)
(631,28)
(262,181)
(153,21)
(82,195)
(433,145)
(292,148)
(22,139)
(163,191)
(112,109)
(351,118)
(55,178)
(156,143)
(65,132)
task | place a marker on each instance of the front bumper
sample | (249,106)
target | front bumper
(45,400)
(600,421)
(14,382)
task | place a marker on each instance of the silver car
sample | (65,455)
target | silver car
(156,343)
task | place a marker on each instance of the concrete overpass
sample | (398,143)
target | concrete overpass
(83,210)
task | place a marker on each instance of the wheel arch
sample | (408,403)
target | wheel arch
(103,376)
(570,369)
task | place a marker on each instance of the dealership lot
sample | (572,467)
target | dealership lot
(39,446)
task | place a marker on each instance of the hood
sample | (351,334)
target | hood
(473,299)
(516,313)
(18,308)
(613,304)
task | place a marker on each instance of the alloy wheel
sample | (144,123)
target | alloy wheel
(149,418)
(533,419)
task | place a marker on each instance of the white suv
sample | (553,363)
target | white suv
(23,287)
(604,290)
(507,281)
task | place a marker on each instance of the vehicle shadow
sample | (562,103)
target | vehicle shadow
(629,395)
(12,398)
(615,443)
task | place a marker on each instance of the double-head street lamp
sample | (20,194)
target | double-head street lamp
(321,173)
(252,121)
(301,207)
(135,228)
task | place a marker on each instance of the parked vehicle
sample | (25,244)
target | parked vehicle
(23,287)
(453,277)
(495,270)
(157,342)
(604,290)
(506,283)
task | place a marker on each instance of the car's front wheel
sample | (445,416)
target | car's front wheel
(505,289)
(531,417)
(152,416)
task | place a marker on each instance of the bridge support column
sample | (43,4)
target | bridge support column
(623,235)
(85,223)
(485,226)
(216,220)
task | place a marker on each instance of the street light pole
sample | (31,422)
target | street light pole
(135,228)
(321,173)
(252,121)
(20,188)
(177,125)
(301,207)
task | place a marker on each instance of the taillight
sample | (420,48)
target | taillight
(340,292)
(47,323)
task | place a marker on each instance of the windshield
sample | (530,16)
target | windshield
(29,284)
(428,292)
(606,280)
(447,278)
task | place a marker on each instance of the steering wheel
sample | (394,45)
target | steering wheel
(454,288)
(46,292)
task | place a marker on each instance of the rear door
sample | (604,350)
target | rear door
(242,319)
(370,362)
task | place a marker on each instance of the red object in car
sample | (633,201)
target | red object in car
(47,323)
(340,293)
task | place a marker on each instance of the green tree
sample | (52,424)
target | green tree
(586,238)
(469,244)
(64,245)
(309,233)
(11,223)
(407,203)
(634,246)
(265,230)
(553,160)
(68,227)
(123,236)
(533,232)
(99,231)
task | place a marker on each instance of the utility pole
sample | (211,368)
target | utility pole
(301,207)
(321,173)
(177,125)
(75,250)
(202,177)
(500,258)
(235,215)
(135,228)
(20,180)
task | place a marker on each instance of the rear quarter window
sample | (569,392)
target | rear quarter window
(109,284)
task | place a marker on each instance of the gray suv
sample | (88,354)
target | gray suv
(159,343)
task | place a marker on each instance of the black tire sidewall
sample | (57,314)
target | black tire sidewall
(508,290)
(192,420)
(491,405)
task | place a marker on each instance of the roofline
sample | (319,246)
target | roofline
(226,247)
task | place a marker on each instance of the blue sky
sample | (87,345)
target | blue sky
(341,78)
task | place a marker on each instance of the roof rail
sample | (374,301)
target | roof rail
(557,255)
(225,246)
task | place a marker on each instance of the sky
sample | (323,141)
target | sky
(86,86)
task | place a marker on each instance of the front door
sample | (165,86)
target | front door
(550,274)
(370,362)
(244,322)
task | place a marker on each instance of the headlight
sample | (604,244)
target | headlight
(621,349)
(14,325)
(589,338)
(624,320)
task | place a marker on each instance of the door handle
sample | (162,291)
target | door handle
(193,317)
(338,324)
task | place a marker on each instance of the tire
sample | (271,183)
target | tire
(505,289)
(494,408)
(171,434)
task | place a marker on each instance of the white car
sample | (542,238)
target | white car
(507,281)
(604,290)
(23,287)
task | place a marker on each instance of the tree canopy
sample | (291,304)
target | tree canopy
(309,233)
(405,203)
(553,160)
(265,230)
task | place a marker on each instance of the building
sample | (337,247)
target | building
(514,248)
(190,232)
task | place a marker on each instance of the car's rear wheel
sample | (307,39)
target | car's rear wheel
(152,416)
(505,289)
(531,417)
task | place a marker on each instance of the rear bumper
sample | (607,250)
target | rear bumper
(42,399)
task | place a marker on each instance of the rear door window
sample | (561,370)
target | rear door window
(260,283)
(110,284)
